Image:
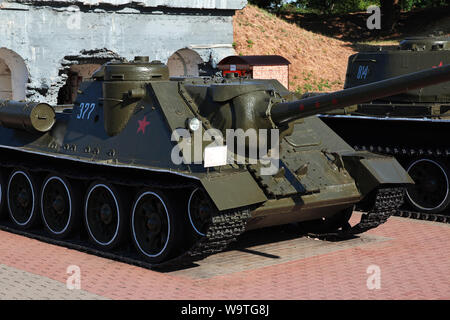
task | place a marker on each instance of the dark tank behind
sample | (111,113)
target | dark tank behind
(143,168)
(413,126)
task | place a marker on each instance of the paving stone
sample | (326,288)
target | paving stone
(17,284)
(413,258)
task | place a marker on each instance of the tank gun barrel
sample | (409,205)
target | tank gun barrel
(285,112)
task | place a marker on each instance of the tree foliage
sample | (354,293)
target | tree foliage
(335,6)
(345,6)
(267,4)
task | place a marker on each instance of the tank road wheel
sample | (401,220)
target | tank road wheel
(58,206)
(155,226)
(430,193)
(22,199)
(200,211)
(2,196)
(103,215)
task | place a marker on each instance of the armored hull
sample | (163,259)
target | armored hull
(138,169)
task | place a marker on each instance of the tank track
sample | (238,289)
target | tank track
(387,201)
(383,204)
(405,151)
(423,216)
(410,152)
(224,228)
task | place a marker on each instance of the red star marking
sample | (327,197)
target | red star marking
(142,124)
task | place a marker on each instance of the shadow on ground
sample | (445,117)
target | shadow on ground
(249,242)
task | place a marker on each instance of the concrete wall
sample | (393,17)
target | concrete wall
(50,38)
(190,4)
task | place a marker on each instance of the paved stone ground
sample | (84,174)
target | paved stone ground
(16,284)
(412,257)
(245,259)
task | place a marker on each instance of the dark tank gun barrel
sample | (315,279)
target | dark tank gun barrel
(285,112)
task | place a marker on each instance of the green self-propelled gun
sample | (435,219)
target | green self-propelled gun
(101,175)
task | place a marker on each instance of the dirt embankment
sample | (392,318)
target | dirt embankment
(318,63)
(319,56)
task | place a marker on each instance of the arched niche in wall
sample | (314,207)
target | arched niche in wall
(5,81)
(184,62)
(13,75)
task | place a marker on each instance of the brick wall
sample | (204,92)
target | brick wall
(281,73)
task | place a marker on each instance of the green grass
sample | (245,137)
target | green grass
(314,85)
